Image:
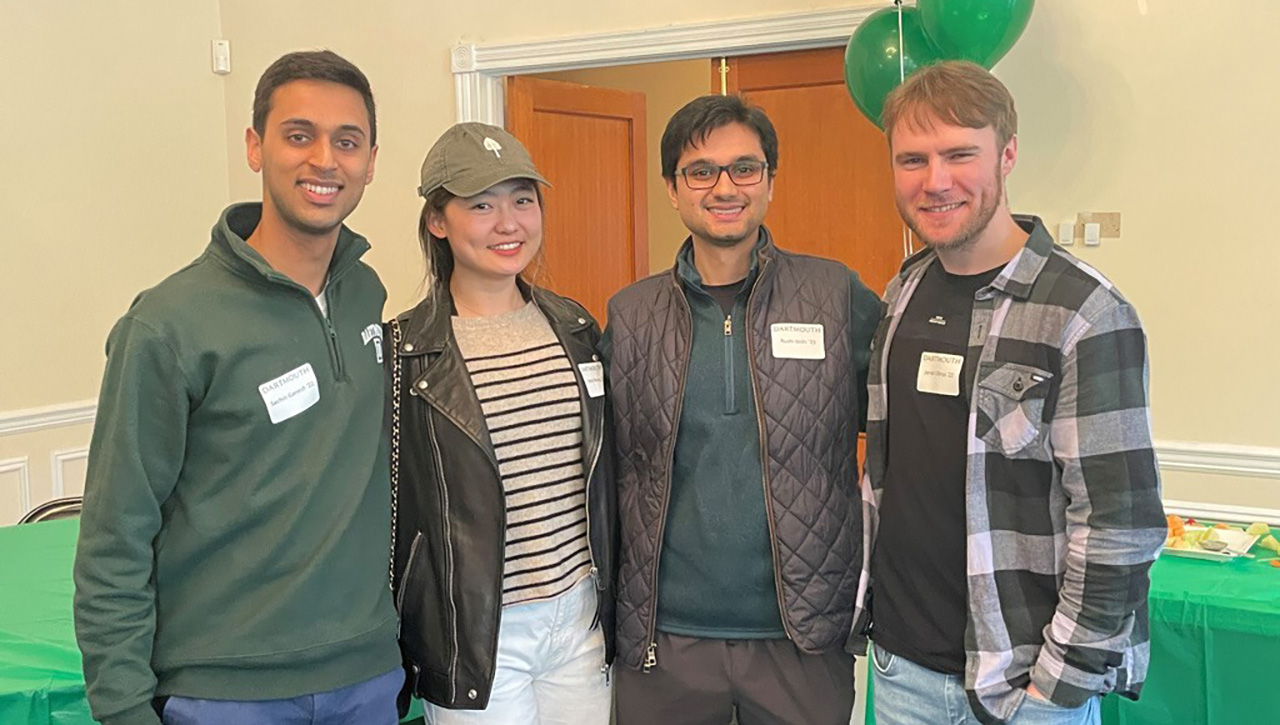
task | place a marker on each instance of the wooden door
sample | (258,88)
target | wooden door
(590,144)
(833,195)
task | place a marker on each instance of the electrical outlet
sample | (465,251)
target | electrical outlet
(221,51)
(1092,234)
(1066,234)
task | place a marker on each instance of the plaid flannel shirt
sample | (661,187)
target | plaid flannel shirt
(1064,516)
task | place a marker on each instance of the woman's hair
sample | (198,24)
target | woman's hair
(437,256)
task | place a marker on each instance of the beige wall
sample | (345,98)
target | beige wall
(666,87)
(115,139)
(127,147)
(1164,118)
(115,134)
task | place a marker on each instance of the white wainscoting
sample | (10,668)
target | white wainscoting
(53,444)
(53,416)
(1222,512)
(67,466)
(1219,458)
(66,470)
(15,489)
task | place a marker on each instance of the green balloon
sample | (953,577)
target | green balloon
(978,30)
(874,60)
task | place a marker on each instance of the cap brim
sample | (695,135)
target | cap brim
(477,183)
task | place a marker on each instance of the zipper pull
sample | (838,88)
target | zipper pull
(651,658)
(728,325)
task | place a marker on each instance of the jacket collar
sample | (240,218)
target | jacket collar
(1018,275)
(427,327)
(237,224)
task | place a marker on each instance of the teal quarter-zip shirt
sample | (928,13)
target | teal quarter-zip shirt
(715,576)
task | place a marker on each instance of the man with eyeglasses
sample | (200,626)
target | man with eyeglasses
(737,380)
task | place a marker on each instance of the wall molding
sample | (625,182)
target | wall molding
(23,469)
(1222,512)
(1219,458)
(1197,457)
(479,69)
(53,416)
(57,461)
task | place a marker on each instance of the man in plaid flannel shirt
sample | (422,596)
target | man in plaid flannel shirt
(1011,491)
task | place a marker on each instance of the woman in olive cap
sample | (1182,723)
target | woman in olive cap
(504,505)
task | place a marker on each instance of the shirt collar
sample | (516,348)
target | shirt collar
(687,271)
(1019,274)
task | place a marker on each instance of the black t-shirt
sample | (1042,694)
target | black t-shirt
(918,566)
(725,294)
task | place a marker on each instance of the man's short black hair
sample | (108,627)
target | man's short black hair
(312,65)
(692,124)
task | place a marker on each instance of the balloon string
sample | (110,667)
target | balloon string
(908,245)
(902,51)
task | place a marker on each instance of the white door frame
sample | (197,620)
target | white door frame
(478,70)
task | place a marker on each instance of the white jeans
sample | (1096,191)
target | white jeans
(550,668)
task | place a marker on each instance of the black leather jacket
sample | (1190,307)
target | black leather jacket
(450,515)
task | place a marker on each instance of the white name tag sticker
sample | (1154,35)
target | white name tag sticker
(593,378)
(939,373)
(798,341)
(291,393)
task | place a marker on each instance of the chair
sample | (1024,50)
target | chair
(58,508)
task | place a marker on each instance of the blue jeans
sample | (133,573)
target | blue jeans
(550,667)
(908,694)
(372,702)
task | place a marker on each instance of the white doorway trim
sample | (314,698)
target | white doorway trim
(478,70)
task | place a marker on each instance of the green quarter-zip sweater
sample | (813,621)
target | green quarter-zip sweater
(236,518)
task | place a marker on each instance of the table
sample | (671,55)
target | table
(1215,634)
(41,681)
(40,676)
(1215,637)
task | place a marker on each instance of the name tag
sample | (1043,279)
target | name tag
(291,393)
(593,378)
(939,373)
(797,341)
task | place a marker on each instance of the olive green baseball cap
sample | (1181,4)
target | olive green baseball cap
(471,157)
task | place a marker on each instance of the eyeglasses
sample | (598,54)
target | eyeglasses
(746,172)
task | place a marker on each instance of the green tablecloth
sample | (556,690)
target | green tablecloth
(1215,636)
(41,681)
(40,677)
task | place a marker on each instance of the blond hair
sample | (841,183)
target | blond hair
(955,92)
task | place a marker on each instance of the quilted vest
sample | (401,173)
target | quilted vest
(808,413)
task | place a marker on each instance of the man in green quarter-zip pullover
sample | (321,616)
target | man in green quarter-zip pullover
(232,562)
(736,380)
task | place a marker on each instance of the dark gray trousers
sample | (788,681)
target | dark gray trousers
(761,681)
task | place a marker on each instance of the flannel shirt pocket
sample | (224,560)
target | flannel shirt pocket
(1010,407)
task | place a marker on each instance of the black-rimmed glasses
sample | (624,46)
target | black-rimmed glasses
(742,173)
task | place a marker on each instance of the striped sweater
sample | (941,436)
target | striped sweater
(530,398)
